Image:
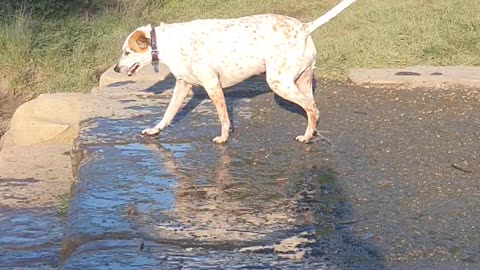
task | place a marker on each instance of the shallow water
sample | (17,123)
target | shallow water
(389,195)
(204,204)
(30,238)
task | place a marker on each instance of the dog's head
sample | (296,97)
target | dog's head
(136,51)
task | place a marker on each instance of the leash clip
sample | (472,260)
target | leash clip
(155,68)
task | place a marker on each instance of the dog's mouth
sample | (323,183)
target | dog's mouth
(133,69)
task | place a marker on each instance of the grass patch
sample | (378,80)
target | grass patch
(62,204)
(68,52)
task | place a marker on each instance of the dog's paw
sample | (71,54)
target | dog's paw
(303,139)
(150,131)
(220,140)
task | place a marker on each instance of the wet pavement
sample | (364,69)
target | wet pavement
(30,238)
(409,161)
(260,201)
(398,190)
(34,187)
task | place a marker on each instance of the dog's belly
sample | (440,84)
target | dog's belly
(235,62)
(228,73)
(188,77)
(226,78)
(234,74)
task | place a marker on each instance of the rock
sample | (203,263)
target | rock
(419,76)
(48,119)
(385,184)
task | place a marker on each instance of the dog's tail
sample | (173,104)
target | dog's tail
(312,26)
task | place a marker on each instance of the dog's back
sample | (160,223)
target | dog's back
(238,47)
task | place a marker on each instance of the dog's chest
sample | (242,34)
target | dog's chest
(185,73)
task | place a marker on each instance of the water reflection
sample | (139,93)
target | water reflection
(220,197)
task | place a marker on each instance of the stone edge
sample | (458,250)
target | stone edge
(418,76)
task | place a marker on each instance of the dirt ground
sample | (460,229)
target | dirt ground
(8,104)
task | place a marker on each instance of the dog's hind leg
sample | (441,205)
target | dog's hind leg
(304,84)
(283,84)
(179,93)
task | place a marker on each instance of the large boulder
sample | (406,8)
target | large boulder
(48,119)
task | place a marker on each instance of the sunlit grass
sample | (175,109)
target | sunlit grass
(69,54)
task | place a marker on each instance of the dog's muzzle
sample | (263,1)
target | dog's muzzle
(130,71)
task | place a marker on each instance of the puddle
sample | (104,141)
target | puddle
(200,195)
(30,238)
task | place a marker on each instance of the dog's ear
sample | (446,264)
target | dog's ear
(138,42)
(143,42)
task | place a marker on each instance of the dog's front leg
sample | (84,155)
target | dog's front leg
(179,93)
(216,95)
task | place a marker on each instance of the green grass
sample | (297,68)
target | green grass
(69,53)
(62,204)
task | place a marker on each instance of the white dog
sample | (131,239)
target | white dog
(220,53)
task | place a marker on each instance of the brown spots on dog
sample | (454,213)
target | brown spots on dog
(138,42)
(197,44)
(229,25)
(222,107)
(286,28)
(274,84)
(183,52)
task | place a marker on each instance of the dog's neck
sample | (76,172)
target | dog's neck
(167,41)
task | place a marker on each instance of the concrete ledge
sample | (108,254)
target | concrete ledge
(146,74)
(416,76)
(34,175)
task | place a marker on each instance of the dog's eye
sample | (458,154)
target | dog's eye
(127,53)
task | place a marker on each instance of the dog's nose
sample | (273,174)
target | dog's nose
(116,69)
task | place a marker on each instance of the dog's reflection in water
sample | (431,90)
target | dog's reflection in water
(220,201)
